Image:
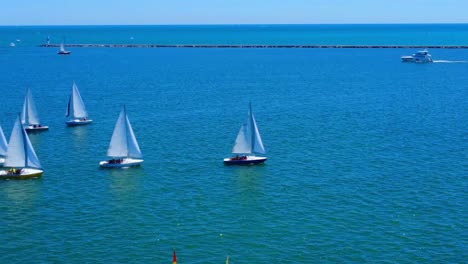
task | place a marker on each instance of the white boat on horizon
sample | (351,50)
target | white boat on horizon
(20,156)
(421,56)
(29,115)
(62,50)
(123,147)
(248,142)
(3,147)
(76,109)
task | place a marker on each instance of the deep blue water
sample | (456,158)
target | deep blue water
(367,157)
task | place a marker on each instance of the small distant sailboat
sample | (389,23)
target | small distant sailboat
(20,157)
(76,109)
(227,259)
(62,50)
(174,258)
(12,44)
(123,147)
(248,142)
(3,147)
(29,115)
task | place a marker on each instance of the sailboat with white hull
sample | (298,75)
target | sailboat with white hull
(76,109)
(3,147)
(123,147)
(20,157)
(29,115)
(248,142)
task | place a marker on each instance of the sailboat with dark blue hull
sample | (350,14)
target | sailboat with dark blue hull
(248,143)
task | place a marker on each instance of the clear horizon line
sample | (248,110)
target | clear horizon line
(234,24)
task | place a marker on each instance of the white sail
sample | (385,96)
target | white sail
(123,142)
(29,115)
(248,139)
(243,141)
(3,143)
(76,103)
(62,48)
(20,152)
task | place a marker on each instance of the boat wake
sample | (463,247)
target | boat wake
(449,61)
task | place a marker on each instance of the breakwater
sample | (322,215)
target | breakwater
(237,46)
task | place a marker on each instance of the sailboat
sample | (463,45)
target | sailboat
(29,115)
(20,156)
(248,142)
(3,147)
(62,50)
(76,109)
(123,147)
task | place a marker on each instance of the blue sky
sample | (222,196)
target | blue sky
(128,12)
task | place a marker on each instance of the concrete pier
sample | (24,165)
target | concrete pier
(235,46)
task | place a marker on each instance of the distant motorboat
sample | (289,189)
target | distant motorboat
(62,50)
(123,147)
(248,142)
(421,56)
(20,157)
(29,115)
(12,44)
(76,109)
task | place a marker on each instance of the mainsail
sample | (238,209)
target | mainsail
(29,114)
(248,139)
(20,152)
(123,142)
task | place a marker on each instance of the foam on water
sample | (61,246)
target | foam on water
(449,61)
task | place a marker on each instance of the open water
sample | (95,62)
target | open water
(367,156)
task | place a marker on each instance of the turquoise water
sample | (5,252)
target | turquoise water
(367,157)
(392,34)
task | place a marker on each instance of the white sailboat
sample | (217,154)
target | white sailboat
(123,147)
(248,142)
(20,157)
(76,109)
(3,147)
(29,115)
(62,50)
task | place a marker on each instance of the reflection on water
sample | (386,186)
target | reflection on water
(124,182)
(35,138)
(79,134)
(248,180)
(19,195)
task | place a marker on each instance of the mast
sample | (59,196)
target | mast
(252,133)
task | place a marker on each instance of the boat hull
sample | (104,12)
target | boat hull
(35,128)
(123,164)
(78,122)
(63,52)
(249,160)
(25,174)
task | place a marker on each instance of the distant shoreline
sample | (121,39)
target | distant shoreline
(257,46)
